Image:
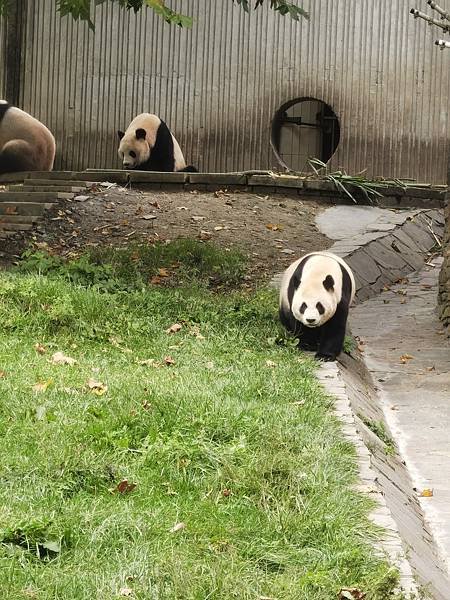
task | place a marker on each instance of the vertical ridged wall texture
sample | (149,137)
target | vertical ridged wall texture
(218,84)
(3,55)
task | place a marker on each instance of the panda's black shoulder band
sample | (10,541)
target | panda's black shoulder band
(4,106)
(295,279)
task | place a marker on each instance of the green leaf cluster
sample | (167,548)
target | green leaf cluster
(81,9)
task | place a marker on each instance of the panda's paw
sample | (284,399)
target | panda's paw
(307,347)
(325,357)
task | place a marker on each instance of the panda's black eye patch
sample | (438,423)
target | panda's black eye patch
(303,307)
(133,154)
(320,308)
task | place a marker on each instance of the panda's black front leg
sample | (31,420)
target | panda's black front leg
(289,321)
(333,334)
(309,338)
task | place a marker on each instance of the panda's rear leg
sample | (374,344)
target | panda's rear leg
(17,155)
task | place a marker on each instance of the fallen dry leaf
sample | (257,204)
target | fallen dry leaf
(174,328)
(2,374)
(124,487)
(426,493)
(40,349)
(149,362)
(155,280)
(351,594)
(204,235)
(169,360)
(195,331)
(274,227)
(97,387)
(405,357)
(125,591)
(163,273)
(433,368)
(226,492)
(178,527)
(270,363)
(59,358)
(42,386)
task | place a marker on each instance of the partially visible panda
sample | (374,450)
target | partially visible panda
(25,143)
(148,145)
(315,295)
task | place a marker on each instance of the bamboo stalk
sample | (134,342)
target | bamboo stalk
(444,14)
(420,15)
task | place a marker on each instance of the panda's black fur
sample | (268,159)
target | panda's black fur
(328,338)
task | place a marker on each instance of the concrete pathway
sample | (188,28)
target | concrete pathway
(408,355)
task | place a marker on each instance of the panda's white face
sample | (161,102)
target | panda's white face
(133,149)
(313,306)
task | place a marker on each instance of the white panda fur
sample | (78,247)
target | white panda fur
(153,144)
(318,278)
(25,143)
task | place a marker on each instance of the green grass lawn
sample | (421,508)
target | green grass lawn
(243,481)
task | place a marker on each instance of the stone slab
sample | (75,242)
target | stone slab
(156,177)
(23,208)
(423,239)
(218,178)
(364,266)
(276,181)
(114,176)
(343,222)
(30,196)
(412,258)
(384,257)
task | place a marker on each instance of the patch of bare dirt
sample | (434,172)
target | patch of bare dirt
(271,230)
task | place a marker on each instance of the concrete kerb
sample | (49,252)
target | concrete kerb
(420,196)
(390,545)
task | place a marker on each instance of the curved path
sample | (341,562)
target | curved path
(403,380)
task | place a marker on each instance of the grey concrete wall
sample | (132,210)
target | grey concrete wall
(219,84)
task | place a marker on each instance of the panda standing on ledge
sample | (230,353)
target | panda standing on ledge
(315,295)
(149,145)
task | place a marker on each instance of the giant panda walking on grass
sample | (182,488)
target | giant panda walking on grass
(149,145)
(315,295)
(25,143)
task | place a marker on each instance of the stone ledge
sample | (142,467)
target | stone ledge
(422,196)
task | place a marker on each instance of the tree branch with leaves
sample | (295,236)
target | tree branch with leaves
(81,9)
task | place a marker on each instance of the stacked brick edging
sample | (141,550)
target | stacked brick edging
(394,255)
(416,195)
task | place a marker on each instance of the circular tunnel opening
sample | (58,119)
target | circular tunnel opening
(303,129)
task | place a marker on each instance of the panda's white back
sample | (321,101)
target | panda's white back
(17,124)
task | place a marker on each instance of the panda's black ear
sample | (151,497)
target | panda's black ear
(120,134)
(328,283)
(140,134)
